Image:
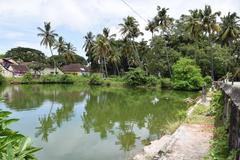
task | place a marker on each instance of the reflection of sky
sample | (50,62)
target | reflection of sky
(71,141)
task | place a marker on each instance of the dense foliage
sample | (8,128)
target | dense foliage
(13,145)
(138,77)
(196,35)
(56,79)
(187,75)
(2,79)
(213,45)
(25,54)
(27,78)
(95,79)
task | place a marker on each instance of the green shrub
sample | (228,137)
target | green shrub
(66,79)
(136,77)
(49,78)
(27,78)
(166,83)
(2,79)
(152,81)
(95,79)
(219,145)
(208,81)
(187,75)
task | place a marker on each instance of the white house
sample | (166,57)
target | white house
(10,68)
(51,70)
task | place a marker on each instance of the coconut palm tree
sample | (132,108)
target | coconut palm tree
(106,33)
(151,27)
(48,38)
(210,28)
(127,50)
(209,22)
(101,50)
(70,52)
(89,42)
(230,28)
(88,48)
(162,20)
(193,23)
(115,59)
(60,45)
(130,30)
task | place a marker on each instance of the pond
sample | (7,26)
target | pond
(73,122)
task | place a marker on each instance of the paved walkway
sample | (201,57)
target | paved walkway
(188,142)
(191,142)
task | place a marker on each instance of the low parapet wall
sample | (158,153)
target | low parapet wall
(231,115)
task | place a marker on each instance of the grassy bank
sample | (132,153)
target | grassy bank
(94,79)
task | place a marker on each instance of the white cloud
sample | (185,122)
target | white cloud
(19,18)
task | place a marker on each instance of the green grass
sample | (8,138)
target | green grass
(199,115)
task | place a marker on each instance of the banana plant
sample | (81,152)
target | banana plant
(13,145)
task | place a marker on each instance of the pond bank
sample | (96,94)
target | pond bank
(190,141)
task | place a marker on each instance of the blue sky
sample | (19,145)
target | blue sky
(72,19)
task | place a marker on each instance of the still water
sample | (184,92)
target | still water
(81,123)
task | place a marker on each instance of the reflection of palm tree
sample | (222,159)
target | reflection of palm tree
(126,140)
(46,127)
(48,38)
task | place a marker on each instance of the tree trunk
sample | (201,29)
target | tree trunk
(54,63)
(117,69)
(101,67)
(137,55)
(169,68)
(105,65)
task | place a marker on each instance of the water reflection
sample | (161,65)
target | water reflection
(128,115)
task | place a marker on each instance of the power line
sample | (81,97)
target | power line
(129,6)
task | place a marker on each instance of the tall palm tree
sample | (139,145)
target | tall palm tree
(209,22)
(230,28)
(101,50)
(127,50)
(151,27)
(163,20)
(48,38)
(60,45)
(89,42)
(164,23)
(115,58)
(193,23)
(210,28)
(106,33)
(88,48)
(130,30)
(70,52)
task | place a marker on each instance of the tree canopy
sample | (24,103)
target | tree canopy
(25,54)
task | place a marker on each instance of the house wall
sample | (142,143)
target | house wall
(5,72)
(48,71)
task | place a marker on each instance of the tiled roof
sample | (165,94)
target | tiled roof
(19,68)
(74,68)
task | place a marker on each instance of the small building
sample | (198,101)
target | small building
(18,70)
(51,70)
(75,69)
(10,68)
